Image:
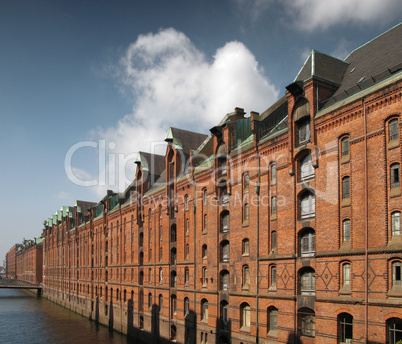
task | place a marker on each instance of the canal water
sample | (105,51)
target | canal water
(26,319)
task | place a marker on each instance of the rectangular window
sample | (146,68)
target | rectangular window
(393,130)
(396,273)
(346,231)
(273,206)
(346,274)
(345,188)
(345,147)
(273,277)
(395,180)
(396,223)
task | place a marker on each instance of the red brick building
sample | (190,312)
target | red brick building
(29,259)
(279,227)
(11,261)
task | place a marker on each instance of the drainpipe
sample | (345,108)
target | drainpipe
(257,190)
(365,223)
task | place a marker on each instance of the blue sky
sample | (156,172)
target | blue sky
(80,75)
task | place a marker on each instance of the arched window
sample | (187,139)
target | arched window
(149,300)
(186,306)
(307,242)
(307,282)
(273,206)
(273,241)
(173,279)
(204,251)
(273,173)
(245,315)
(345,188)
(205,197)
(173,256)
(393,130)
(306,168)
(273,277)
(204,276)
(187,226)
(272,321)
(246,213)
(160,303)
(186,276)
(205,224)
(160,275)
(345,149)
(396,223)
(224,311)
(306,322)
(245,247)
(225,221)
(345,282)
(246,182)
(394,330)
(246,276)
(345,328)
(173,305)
(307,204)
(186,201)
(396,273)
(173,233)
(204,309)
(225,251)
(224,280)
(141,241)
(346,231)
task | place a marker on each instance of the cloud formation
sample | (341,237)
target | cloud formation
(172,83)
(309,15)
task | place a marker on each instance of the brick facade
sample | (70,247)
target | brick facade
(279,227)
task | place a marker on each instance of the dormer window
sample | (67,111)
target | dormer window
(303,131)
(221,160)
(302,122)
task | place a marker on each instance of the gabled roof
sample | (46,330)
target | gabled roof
(184,139)
(153,163)
(323,67)
(370,64)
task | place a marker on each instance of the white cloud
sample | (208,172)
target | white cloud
(309,15)
(174,84)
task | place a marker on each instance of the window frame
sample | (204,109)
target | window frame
(396,224)
(307,204)
(393,130)
(306,168)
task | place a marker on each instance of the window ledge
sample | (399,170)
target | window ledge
(395,192)
(273,216)
(393,144)
(345,159)
(395,291)
(272,333)
(345,291)
(346,202)
(245,328)
(245,223)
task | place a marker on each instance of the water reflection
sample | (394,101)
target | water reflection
(24,318)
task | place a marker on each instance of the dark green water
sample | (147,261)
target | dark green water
(24,318)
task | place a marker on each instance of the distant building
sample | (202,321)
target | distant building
(11,261)
(29,259)
(281,227)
